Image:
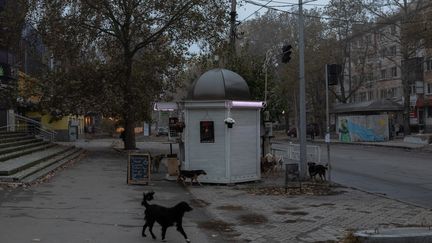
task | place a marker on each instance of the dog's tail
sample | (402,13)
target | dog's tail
(147,197)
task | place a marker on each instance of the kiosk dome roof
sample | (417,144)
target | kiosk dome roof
(219,84)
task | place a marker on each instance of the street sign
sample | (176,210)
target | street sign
(327,138)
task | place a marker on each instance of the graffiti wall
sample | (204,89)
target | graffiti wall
(373,128)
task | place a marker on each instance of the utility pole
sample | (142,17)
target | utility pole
(302,93)
(233,15)
(327,136)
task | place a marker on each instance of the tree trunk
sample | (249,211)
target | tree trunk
(129,105)
(287,116)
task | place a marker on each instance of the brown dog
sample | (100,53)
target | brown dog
(191,174)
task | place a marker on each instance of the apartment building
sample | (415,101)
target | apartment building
(373,72)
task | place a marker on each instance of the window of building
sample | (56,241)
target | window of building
(384,52)
(393,50)
(394,72)
(393,29)
(429,65)
(383,93)
(369,39)
(363,96)
(391,93)
(428,88)
(429,112)
(370,95)
(412,89)
(383,74)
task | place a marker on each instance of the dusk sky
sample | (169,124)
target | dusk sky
(244,9)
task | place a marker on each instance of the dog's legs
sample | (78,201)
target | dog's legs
(151,230)
(143,230)
(164,229)
(181,230)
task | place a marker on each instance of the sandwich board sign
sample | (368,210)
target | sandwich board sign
(138,168)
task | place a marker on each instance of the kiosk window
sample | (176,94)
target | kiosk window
(206,132)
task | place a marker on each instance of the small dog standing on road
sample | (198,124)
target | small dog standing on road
(315,169)
(166,217)
(191,174)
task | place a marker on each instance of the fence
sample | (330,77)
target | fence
(292,152)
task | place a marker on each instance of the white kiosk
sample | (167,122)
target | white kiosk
(222,129)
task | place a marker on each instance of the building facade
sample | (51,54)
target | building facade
(374,69)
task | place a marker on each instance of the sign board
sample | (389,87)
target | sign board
(207,132)
(327,138)
(138,168)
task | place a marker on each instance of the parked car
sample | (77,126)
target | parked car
(312,130)
(162,131)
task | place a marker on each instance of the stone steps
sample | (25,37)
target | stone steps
(32,170)
(24,158)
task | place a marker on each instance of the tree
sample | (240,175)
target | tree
(12,21)
(412,21)
(115,35)
(347,21)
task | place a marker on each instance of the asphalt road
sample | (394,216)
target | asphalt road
(396,173)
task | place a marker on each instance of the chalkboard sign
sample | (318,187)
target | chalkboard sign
(138,168)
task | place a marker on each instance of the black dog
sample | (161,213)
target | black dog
(191,174)
(166,217)
(315,169)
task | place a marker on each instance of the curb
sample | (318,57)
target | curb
(420,148)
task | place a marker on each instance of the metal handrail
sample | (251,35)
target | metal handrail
(32,127)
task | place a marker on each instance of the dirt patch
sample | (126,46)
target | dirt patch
(281,212)
(298,213)
(216,225)
(321,205)
(253,219)
(231,208)
(199,203)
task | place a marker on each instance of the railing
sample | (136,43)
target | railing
(292,152)
(30,126)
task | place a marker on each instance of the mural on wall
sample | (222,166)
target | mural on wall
(373,128)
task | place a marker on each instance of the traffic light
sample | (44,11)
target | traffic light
(334,73)
(286,53)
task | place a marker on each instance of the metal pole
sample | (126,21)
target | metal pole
(327,136)
(233,15)
(265,84)
(302,85)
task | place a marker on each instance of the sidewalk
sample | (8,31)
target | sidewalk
(247,214)
(90,202)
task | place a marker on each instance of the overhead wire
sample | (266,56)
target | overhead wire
(263,6)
